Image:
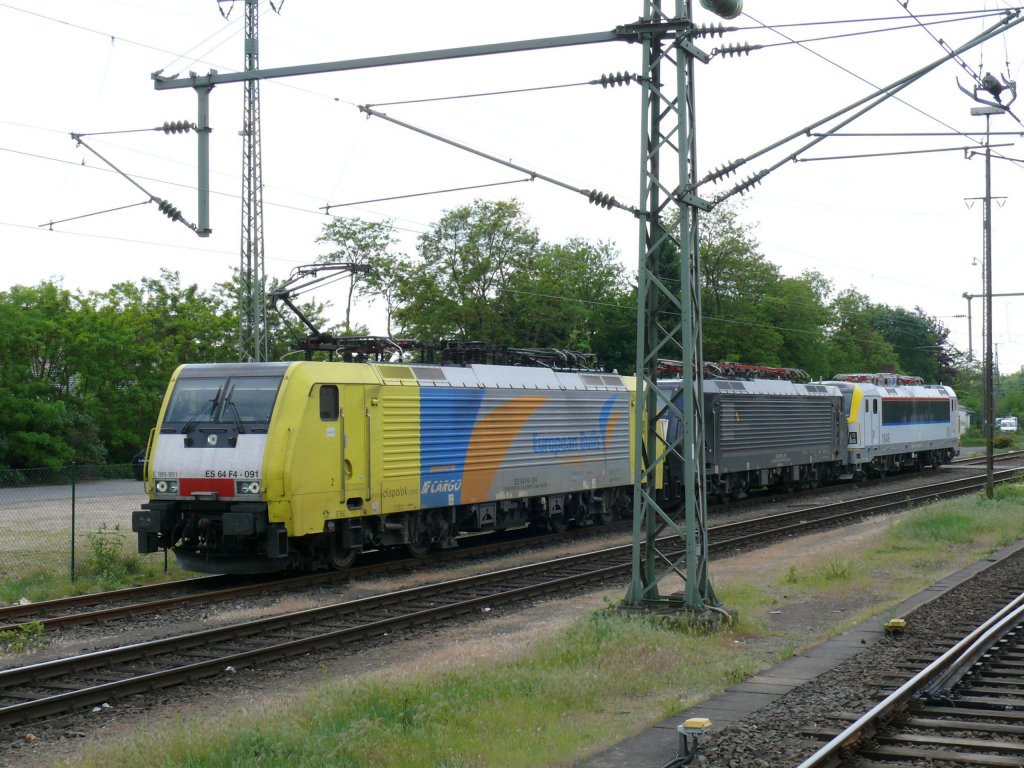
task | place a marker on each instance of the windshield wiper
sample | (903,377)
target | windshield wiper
(194,418)
(234,412)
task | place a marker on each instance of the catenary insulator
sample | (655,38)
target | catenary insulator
(600,198)
(180,126)
(738,49)
(169,210)
(725,171)
(619,78)
(709,30)
(744,186)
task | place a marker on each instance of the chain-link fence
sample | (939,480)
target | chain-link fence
(51,519)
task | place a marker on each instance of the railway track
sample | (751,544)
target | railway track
(67,685)
(981,459)
(964,707)
(105,607)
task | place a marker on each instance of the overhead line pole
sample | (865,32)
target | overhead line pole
(252,295)
(987,236)
(668,114)
(669,324)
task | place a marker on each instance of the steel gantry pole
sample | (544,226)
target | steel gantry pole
(669,323)
(987,325)
(252,297)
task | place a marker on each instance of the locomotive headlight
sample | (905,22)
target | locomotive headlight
(167,486)
(247,487)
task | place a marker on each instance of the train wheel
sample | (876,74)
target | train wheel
(343,562)
(417,548)
(611,504)
(419,537)
(558,524)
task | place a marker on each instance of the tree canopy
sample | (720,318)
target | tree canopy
(82,375)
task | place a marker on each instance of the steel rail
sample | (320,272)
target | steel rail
(942,672)
(49,614)
(543,578)
(55,614)
(58,703)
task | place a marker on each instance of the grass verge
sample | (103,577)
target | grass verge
(107,561)
(605,677)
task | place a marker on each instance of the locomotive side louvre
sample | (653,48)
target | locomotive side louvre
(773,430)
(761,432)
(765,432)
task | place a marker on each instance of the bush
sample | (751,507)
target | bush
(1003,441)
(108,562)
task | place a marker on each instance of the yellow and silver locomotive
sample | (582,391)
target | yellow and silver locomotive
(265,466)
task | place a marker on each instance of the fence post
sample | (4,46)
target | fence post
(74,479)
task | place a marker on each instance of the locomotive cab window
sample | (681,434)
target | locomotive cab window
(242,402)
(874,406)
(329,402)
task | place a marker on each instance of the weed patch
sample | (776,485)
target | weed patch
(108,562)
(23,638)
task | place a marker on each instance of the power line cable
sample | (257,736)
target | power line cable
(727,50)
(905,4)
(961,16)
(863,106)
(327,208)
(180,185)
(72,25)
(837,65)
(605,81)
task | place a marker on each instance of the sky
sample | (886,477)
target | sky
(904,229)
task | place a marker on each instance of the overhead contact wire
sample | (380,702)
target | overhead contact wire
(604,81)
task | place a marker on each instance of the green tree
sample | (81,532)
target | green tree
(919,341)
(38,384)
(1010,395)
(458,288)
(483,274)
(797,307)
(364,243)
(855,346)
(614,334)
(736,283)
(556,301)
(134,336)
(967,383)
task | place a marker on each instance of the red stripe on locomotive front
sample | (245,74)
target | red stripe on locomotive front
(221,486)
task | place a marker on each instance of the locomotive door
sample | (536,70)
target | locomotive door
(873,419)
(355,451)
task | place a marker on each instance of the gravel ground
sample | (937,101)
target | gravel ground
(499,634)
(765,739)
